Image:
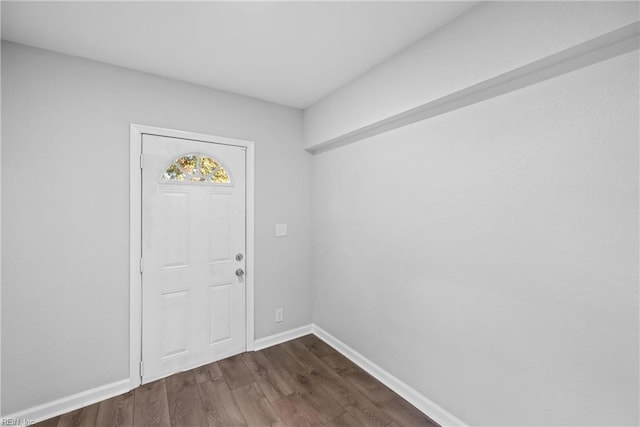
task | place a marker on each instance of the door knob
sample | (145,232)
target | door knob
(239,272)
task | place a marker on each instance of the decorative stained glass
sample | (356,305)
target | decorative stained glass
(220,176)
(207,165)
(173,173)
(188,163)
(196,168)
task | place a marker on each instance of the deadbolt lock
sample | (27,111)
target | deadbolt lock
(239,257)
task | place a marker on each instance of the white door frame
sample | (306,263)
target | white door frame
(135,235)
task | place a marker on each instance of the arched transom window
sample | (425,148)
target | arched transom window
(196,168)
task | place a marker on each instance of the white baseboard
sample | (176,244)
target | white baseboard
(69,403)
(428,407)
(291,334)
(94,395)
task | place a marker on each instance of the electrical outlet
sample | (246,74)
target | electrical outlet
(281,230)
(279,315)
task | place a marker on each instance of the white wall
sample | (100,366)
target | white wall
(65,199)
(490,39)
(489,257)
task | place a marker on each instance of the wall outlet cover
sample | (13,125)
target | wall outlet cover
(281,230)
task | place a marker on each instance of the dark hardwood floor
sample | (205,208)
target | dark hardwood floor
(303,382)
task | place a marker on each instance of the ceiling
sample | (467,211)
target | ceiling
(290,53)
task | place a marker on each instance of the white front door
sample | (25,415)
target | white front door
(193,254)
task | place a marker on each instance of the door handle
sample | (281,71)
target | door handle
(239,272)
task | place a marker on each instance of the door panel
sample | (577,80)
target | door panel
(175,229)
(193,225)
(219,228)
(220,322)
(175,319)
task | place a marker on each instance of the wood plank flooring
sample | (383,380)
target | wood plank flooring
(303,382)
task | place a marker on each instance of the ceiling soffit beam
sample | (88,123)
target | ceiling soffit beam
(598,49)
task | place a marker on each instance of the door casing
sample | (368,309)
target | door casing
(135,235)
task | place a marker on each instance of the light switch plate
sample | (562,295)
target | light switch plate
(281,230)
